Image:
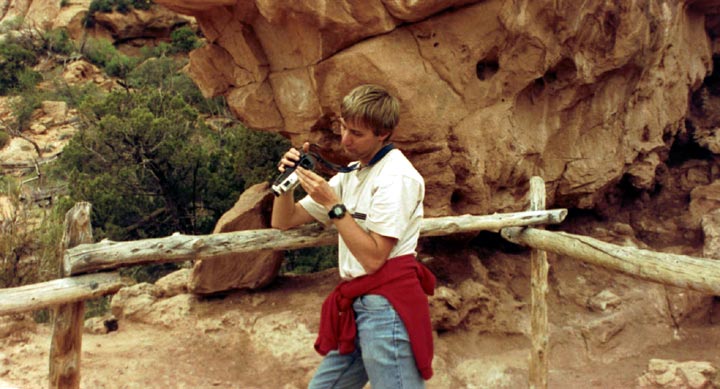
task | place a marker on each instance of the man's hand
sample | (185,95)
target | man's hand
(291,157)
(317,188)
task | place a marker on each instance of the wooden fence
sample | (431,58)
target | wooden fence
(82,261)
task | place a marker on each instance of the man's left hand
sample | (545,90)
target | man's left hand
(317,188)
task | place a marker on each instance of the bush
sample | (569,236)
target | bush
(310,260)
(120,65)
(142,4)
(29,254)
(58,41)
(151,167)
(4,139)
(184,39)
(16,58)
(99,51)
(100,6)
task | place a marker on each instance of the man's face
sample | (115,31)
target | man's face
(359,141)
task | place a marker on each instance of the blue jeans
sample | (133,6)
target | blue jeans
(382,352)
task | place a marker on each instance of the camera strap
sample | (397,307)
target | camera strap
(347,169)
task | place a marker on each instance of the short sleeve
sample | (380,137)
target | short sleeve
(395,199)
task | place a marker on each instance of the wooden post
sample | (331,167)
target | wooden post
(66,346)
(539,285)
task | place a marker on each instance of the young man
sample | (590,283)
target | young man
(376,324)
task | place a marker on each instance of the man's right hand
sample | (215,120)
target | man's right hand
(291,157)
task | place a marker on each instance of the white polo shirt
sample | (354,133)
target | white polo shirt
(386,198)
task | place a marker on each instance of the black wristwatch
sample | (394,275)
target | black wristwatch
(337,211)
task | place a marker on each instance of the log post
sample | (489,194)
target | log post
(539,285)
(66,344)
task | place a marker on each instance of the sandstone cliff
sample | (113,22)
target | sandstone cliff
(492,92)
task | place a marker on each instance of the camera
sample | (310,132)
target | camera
(288,180)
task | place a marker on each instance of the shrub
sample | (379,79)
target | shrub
(100,6)
(142,4)
(28,254)
(184,39)
(58,41)
(99,51)
(15,60)
(4,139)
(309,260)
(120,65)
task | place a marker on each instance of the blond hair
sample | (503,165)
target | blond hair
(372,106)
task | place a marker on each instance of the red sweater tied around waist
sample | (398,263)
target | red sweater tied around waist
(404,282)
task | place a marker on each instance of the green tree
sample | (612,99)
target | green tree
(150,165)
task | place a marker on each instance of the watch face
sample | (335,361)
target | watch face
(337,211)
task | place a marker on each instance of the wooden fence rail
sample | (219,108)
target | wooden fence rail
(107,254)
(699,274)
(56,292)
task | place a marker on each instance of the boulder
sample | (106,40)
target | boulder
(663,373)
(243,270)
(144,303)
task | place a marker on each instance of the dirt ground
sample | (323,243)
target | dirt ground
(216,346)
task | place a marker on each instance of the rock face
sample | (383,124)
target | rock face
(672,374)
(492,92)
(244,270)
(133,29)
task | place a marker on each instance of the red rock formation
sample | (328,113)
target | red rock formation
(492,92)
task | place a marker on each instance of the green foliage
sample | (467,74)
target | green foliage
(28,252)
(23,107)
(184,39)
(58,41)
(164,73)
(149,273)
(310,260)
(142,4)
(17,56)
(120,65)
(151,167)
(100,6)
(97,307)
(4,139)
(30,98)
(122,6)
(12,24)
(104,54)
(99,51)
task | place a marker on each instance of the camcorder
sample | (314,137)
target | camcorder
(288,180)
